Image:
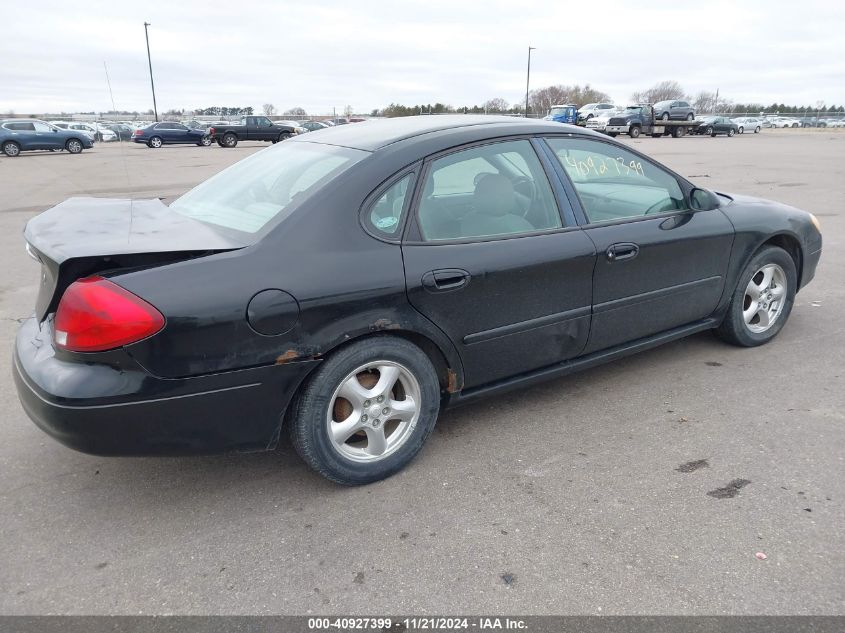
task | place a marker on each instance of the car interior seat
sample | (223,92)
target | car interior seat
(495,209)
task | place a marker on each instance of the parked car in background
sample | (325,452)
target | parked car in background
(748,124)
(313,126)
(124,132)
(251,128)
(673,110)
(600,121)
(82,128)
(171,133)
(196,125)
(23,135)
(784,122)
(567,113)
(715,125)
(344,288)
(294,124)
(589,110)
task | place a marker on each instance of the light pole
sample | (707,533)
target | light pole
(150,62)
(528,78)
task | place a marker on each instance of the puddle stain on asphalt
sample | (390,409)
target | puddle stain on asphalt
(729,491)
(713,363)
(691,467)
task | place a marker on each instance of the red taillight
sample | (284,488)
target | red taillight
(136,133)
(95,314)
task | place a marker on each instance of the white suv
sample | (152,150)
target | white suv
(589,110)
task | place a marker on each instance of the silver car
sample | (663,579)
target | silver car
(674,109)
(749,123)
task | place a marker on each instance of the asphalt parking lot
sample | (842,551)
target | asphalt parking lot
(579,496)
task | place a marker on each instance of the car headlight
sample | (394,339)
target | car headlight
(816,222)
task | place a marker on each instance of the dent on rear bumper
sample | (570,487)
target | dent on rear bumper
(106,410)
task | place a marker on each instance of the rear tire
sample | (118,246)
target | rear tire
(776,299)
(690,117)
(11,149)
(155,142)
(230,140)
(339,436)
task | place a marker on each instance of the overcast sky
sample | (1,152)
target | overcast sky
(320,54)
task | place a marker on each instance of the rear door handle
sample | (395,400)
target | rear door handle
(445,279)
(622,251)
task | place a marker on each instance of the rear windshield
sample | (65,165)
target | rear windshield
(249,194)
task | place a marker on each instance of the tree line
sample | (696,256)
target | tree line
(541,100)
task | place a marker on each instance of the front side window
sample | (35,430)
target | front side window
(492,190)
(613,183)
(385,215)
(249,194)
(42,127)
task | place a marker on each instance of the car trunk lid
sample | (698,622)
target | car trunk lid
(84,236)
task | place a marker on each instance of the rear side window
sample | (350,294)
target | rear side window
(384,216)
(613,183)
(23,125)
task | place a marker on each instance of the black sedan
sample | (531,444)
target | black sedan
(171,132)
(714,125)
(345,287)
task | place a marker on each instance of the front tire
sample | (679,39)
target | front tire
(664,116)
(366,412)
(762,300)
(757,130)
(731,132)
(11,149)
(709,131)
(74,146)
(634,132)
(284,136)
(205,141)
(741,130)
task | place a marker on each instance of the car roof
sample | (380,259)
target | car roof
(375,134)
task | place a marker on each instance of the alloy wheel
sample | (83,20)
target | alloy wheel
(374,411)
(764,298)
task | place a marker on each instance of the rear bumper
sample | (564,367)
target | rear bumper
(110,410)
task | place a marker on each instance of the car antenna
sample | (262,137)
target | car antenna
(122,153)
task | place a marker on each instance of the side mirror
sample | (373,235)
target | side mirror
(703,200)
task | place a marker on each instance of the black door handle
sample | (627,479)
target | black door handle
(445,279)
(622,251)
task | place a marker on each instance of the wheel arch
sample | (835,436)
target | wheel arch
(446,364)
(792,245)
